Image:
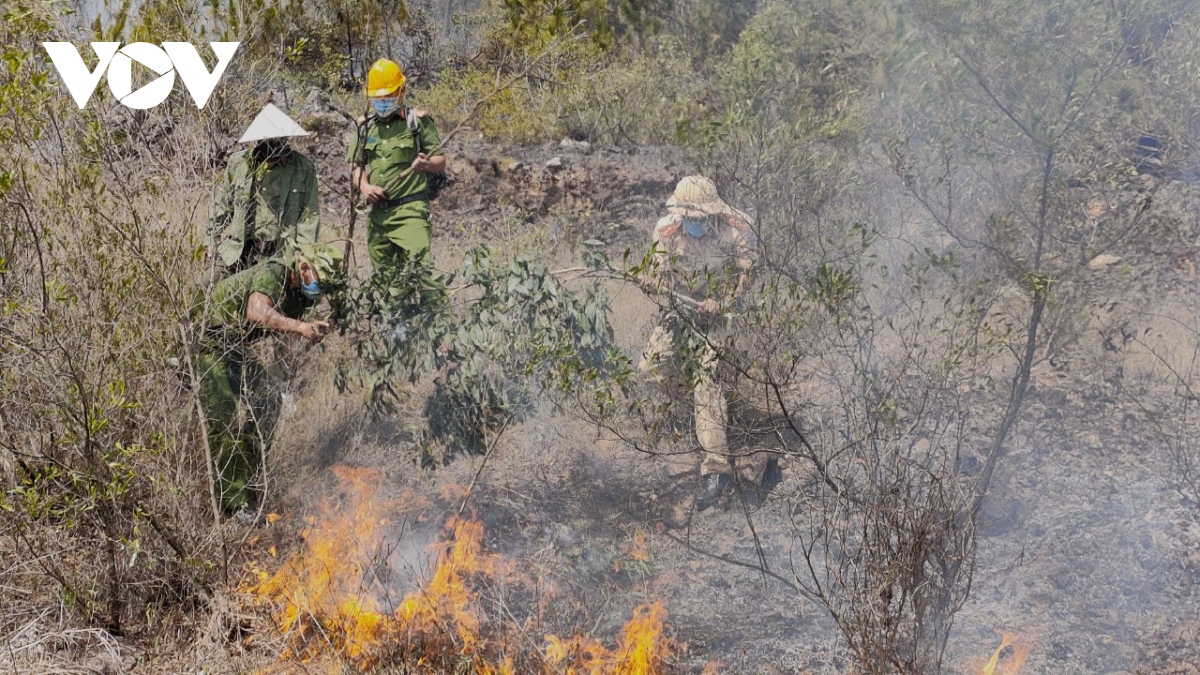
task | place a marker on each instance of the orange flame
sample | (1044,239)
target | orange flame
(327,607)
(326,602)
(642,651)
(1012,665)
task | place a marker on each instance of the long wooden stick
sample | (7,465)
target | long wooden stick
(619,274)
(202,423)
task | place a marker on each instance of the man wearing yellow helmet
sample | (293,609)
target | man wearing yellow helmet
(391,157)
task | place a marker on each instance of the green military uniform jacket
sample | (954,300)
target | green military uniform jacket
(279,205)
(397,232)
(388,147)
(230,295)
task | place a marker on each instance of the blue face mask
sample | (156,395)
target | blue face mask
(695,227)
(385,106)
(312,290)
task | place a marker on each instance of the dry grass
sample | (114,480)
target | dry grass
(47,645)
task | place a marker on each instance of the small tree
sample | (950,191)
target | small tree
(496,334)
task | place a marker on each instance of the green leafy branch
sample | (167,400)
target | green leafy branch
(494,333)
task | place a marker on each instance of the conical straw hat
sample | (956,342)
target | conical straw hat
(271,123)
(696,197)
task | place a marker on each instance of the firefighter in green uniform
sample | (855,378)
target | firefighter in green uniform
(268,296)
(392,155)
(266,200)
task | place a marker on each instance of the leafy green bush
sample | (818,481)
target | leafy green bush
(106,501)
(496,334)
(620,96)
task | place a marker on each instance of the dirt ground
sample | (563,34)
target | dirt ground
(1087,549)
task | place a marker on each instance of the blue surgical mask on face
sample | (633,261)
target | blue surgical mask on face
(384,106)
(695,227)
(311,290)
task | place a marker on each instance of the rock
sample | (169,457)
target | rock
(1103,260)
(318,114)
(503,165)
(105,663)
(554,163)
(679,516)
(1188,632)
(575,146)
(316,102)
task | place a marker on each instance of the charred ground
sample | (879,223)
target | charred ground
(1086,542)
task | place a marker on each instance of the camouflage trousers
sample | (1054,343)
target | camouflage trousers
(240,408)
(673,340)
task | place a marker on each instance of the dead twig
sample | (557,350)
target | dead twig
(479,472)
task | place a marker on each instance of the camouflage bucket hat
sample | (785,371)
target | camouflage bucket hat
(696,197)
(326,259)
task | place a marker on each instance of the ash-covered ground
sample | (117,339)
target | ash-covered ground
(1087,548)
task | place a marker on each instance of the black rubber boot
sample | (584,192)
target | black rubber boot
(712,486)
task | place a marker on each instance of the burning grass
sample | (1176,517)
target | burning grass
(334,607)
(1008,658)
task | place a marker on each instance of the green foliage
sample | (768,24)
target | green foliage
(519,331)
(23,89)
(534,24)
(833,287)
(518,114)
(642,98)
(796,68)
(101,484)
(318,44)
(715,25)
(800,63)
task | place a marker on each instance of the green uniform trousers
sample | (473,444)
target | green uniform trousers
(397,235)
(229,379)
(398,242)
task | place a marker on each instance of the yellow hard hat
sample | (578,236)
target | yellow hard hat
(384,78)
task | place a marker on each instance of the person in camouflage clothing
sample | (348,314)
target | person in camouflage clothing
(391,156)
(703,254)
(266,199)
(271,295)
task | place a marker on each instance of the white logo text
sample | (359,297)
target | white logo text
(117,61)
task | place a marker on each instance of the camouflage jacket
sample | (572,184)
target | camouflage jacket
(277,204)
(709,266)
